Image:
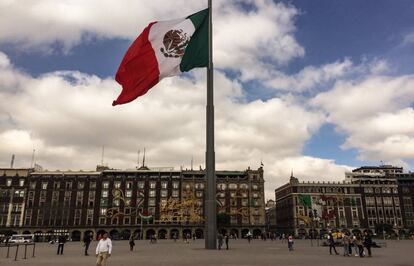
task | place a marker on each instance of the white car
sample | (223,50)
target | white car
(20,239)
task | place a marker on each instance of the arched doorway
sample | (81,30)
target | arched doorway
(187,232)
(302,233)
(99,234)
(125,234)
(76,235)
(149,233)
(174,232)
(199,233)
(162,234)
(114,234)
(244,232)
(257,233)
(313,233)
(235,233)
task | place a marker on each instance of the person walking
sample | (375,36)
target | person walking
(359,244)
(61,244)
(368,243)
(249,237)
(331,242)
(226,239)
(220,240)
(87,239)
(345,241)
(131,242)
(290,243)
(103,250)
(283,238)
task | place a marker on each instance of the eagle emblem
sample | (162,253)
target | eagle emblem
(175,42)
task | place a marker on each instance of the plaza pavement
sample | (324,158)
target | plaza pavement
(167,252)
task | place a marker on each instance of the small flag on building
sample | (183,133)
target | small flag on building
(163,49)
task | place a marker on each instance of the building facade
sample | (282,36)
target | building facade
(369,196)
(146,202)
(313,208)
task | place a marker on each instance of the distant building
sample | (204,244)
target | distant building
(369,196)
(313,208)
(143,201)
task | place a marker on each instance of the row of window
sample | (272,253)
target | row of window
(378,190)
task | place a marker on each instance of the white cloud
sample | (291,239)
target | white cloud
(67,117)
(264,33)
(375,114)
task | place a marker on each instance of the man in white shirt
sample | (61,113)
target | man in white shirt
(103,250)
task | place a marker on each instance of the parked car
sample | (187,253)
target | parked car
(19,239)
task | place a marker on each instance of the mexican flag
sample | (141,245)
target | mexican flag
(163,49)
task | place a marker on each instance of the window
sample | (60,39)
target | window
(8,182)
(164,193)
(199,186)
(56,185)
(116,202)
(104,194)
(153,184)
(102,220)
(141,184)
(151,202)
(232,186)
(129,184)
(176,185)
(81,185)
(128,193)
(126,220)
(164,184)
(221,186)
(92,185)
(21,182)
(44,185)
(68,185)
(103,211)
(175,193)
(152,193)
(32,185)
(117,184)
(255,187)
(199,194)
(244,186)
(105,184)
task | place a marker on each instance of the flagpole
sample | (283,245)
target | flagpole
(210,203)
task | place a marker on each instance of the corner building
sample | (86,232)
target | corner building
(142,201)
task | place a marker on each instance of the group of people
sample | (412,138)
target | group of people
(357,241)
(220,238)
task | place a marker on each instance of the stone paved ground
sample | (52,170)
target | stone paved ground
(166,252)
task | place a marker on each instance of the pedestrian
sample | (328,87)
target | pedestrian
(194,237)
(220,240)
(87,239)
(368,243)
(175,237)
(290,243)
(354,243)
(226,238)
(283,238)
(345,241)
(249,237)
(131,242)
(359,244)
(103,250)
(61,244)
(331,242)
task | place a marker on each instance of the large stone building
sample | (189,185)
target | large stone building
(164,201)
(369,196)
(313,208)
